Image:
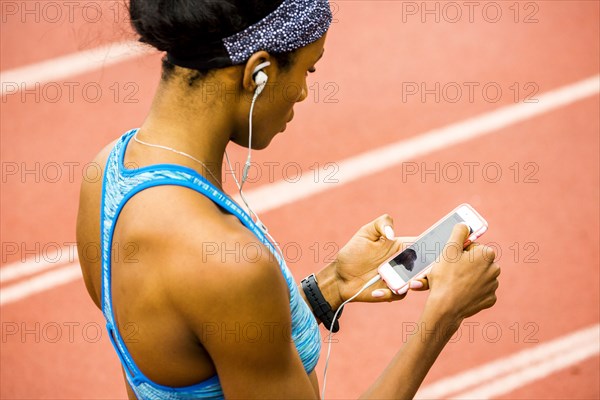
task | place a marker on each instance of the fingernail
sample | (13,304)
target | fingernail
(402,290)
(389,232)
(378,293)
(416,284)
(467,225)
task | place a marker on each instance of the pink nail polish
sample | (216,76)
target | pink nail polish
(402,290)
(389,232)
(416,284)
(378,293)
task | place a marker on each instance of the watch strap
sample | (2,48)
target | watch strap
(321,308)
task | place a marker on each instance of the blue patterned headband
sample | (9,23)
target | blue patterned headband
(293,24)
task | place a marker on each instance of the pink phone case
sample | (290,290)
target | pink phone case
(396,283)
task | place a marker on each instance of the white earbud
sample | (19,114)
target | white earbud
(260,78)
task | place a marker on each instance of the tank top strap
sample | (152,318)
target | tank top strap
(122,183)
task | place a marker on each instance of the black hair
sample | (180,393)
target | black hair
(178,26)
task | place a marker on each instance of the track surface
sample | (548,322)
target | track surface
(543,209)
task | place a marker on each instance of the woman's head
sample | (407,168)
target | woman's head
(220,42)
(179,27)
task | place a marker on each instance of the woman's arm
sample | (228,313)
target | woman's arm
(239,311)
(253,352)
(460,287)
(405,373)
(357,262)
(238,308)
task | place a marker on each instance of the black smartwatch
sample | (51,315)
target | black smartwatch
(320,306)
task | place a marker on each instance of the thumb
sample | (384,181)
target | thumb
(380,227)
(458,237)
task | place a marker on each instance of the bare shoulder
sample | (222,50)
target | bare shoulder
(231,293)
(91,187)
(88,223)
(213,265)
(198,268)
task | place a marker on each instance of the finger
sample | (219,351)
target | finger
(385,295)
(472,245)
(381,227)
(459,235)
(495,270)
(489,253)
(419,285)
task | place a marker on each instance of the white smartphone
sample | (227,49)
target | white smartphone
(416,260)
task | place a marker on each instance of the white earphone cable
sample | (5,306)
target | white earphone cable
(260,87)
(247,164)
(370,283)
(262,226)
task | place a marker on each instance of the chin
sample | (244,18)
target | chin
(262,144)
(260,141)
(265,140)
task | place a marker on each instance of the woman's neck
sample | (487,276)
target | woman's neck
(190,123)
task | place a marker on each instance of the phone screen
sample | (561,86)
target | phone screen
(424,251)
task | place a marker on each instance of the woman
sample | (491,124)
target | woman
(175,314)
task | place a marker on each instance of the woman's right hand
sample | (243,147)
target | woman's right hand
(463,282)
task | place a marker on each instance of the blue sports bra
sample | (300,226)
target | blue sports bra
(121,184)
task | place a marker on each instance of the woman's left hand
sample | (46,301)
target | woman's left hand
(358,260)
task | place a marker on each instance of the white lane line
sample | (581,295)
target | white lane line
(16,270)
(546,358)
(521,378)
(39,283)
(508,373)
(280,193)
(63,67)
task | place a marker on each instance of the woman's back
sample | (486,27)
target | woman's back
(158,280)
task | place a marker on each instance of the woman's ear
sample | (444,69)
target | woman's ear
(254,61)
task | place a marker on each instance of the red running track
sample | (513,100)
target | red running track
(359,101)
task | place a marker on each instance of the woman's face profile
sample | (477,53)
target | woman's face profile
(274,108)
